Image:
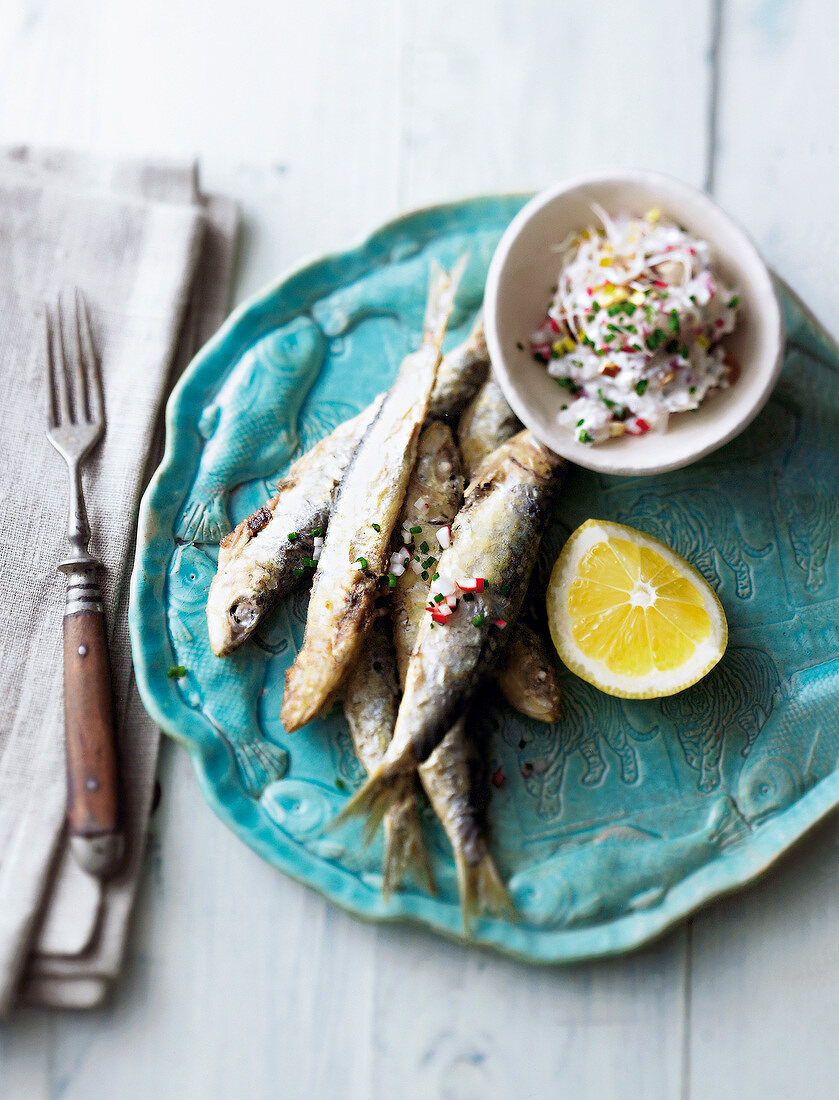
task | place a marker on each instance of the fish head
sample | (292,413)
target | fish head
(233,612)
(190,574)
(293,346)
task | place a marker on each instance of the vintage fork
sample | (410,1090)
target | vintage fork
(76,419)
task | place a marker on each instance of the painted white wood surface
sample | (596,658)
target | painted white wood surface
(324,120)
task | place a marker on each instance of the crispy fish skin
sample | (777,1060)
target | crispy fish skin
(485,423)
(495,536)
(461,373)
(355,553)
(257,560)
(371,696)
(447,775)
(525,673)
(527,676)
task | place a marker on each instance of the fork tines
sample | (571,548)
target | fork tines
(75,384)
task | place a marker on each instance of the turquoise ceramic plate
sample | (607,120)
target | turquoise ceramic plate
(625,816)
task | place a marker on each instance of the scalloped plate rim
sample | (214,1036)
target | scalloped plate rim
(722,875)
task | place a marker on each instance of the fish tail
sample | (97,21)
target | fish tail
(380,794)
(404,845)
(204,521)
(442,289)
(482,890)
(259,763)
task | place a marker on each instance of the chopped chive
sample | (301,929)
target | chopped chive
(424,574)
(468,597)
(292,536)
(581,422)
(671,347)
(563,407)
(298,572)
(415,530)
(375,526)
(735,302)
(614,310)
(439,597)
(436,577)
(693,298)
(520,345)
(595,306)
(692,389)
(655,339)
(428,563)
(391,580)
(317,532)
(362,562)
(584,437)
(176,672)
(640,386)
(567,383)
(505,589)
(310,562)
(478,619)
(424,547)
(629,308)
(674,320)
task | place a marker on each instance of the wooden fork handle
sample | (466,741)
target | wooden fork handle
(92,803)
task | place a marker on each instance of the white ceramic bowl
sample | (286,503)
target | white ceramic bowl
(525,268)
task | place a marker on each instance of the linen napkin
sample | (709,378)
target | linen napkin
(154,259)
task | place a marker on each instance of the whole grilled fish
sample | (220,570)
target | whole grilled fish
(527,676)
(485,423)
(251,427)
(495,537)
(371,696)
(449,777)
(262,559)
(355,553)
(433,498)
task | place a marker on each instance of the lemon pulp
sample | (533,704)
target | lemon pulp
(630,615)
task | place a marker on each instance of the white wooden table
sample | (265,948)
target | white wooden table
(324,120)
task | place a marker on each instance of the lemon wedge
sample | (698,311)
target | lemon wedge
(630,615)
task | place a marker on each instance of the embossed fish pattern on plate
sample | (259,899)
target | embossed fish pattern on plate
(249,429)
